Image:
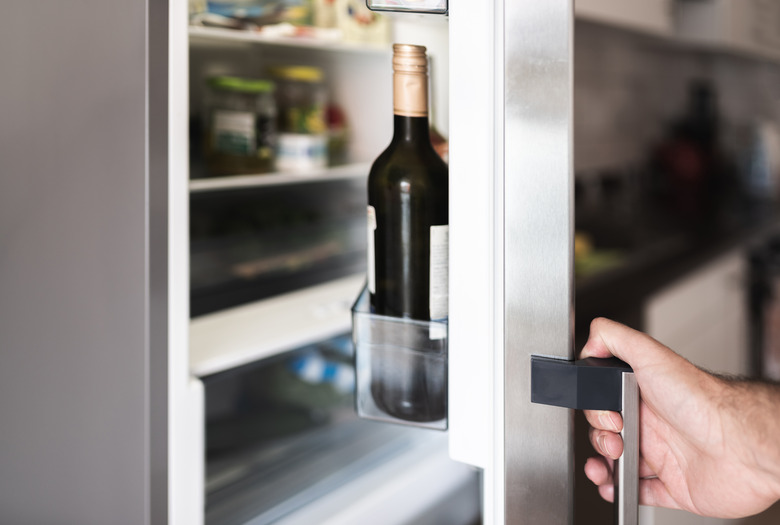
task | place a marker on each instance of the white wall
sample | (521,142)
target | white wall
(628,87)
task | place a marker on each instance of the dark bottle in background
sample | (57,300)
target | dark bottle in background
(408,232)
(695,169)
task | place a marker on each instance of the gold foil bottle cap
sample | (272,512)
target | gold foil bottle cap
(410,80)
(409,59)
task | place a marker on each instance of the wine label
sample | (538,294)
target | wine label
(440,272)
(371,257)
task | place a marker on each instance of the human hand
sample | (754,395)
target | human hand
(707,445)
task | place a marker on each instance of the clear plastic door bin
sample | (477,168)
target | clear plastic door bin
(401,367)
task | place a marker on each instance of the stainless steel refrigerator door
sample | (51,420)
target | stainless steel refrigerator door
(93,309)
(538,260)
(511,242)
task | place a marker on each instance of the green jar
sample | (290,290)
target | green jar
(303,132)
(241,136)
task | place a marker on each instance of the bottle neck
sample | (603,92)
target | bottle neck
(410,93)
(411,129)
(410,101)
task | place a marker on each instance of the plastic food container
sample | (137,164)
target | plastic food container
(242,126)
(301,100)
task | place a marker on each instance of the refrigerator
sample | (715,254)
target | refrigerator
(102,407)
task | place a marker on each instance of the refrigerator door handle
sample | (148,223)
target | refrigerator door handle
(627,466)
(598,384)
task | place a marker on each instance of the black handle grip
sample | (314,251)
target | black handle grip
(598,384)
(587,384)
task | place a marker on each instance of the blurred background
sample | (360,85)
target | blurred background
(676,163)
(676,188)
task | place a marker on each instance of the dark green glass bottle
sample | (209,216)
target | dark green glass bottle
(408,195)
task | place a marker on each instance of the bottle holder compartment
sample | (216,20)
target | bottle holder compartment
(401,368)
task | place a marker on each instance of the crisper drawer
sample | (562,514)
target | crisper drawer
(249,244)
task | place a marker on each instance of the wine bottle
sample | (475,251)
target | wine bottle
(408,193)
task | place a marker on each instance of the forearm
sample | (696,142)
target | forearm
(755,407)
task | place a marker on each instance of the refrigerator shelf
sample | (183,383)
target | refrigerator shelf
(199,34)
(238,336)
(344,172)
(419,485)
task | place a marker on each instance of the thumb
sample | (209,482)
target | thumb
(609,338)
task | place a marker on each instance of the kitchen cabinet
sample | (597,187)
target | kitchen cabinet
(744,26)
(650,16)
(750,27)
(703,316)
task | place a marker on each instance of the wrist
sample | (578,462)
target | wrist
(758,405)
(774,436)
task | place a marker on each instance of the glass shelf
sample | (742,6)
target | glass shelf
(348,171)
(200,34)
(237,336)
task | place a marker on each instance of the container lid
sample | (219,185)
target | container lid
(242,85)
(299,73)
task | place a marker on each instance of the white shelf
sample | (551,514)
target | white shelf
(241,335)
(349,171)
(418,481)
(214,34)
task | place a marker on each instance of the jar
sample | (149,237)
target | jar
(301,100)
(242,126)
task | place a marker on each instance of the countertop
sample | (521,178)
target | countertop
(656,245)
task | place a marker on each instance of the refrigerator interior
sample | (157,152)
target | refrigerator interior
(276,261)
(282,441)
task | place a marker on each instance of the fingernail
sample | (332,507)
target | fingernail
(605,418)
(602,440)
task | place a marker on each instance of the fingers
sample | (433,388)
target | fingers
(651,491)
(608,338)
(645,471)
(599,471)
(611,422)
(603,432)
(604,420)
(654,493)
(606,443)
(607,492)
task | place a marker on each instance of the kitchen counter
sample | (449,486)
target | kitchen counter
(654,249)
